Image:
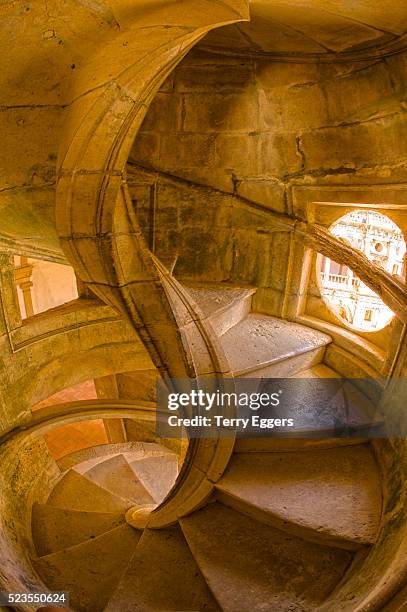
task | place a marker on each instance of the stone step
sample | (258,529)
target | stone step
(95,454)
(88,464)
(91,570)
(261,346)
(162,575)
(290,445)
(332,496)
(161,452)
(225,306)
(54,529)
(317,427)
(252,567)
(116,476)
(356,405)
(75,492)
(319,371)
(156,474)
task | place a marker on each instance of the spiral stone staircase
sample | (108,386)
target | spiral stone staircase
(273,524)
(284,525)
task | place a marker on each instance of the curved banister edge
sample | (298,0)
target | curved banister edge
(59,414)
(104,242)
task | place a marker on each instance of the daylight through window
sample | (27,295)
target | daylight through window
(381,240)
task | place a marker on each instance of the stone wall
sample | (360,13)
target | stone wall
(226,138)
(214,236)
(27,475)
(255,127)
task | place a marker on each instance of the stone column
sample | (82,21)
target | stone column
(22,277)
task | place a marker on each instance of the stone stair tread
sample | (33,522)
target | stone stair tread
(323,407)
(289,445)
(212,297)
(349,420)
(54,528)
(260,340)
(328,495)
(361,413)
(94,454)
(162,575)
(252,567)
(116,476)
(318,371)
(91,570)
(156,474)
(224,305)
(163,452)
(88,464)
(75,492)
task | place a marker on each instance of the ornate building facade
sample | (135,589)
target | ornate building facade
(377,237)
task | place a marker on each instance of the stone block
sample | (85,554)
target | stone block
(221,112)
(271,75)
(266,192)
(146,148)
(171,194)
(214,77)
(238,153)
(268,301)
(294,108)
(186,150)
(248,256)
(279,155)
(362,90)
(167,217)
(201,256)
(372,143)
(164,113)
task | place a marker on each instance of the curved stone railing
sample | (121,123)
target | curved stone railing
(101,236)
(59,415)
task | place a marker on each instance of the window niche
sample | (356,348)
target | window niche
(42,285)
(382,242)
(325,206)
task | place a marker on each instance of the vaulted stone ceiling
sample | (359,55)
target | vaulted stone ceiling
(316,27)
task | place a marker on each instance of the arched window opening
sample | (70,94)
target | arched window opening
(42,285)
(381,240)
